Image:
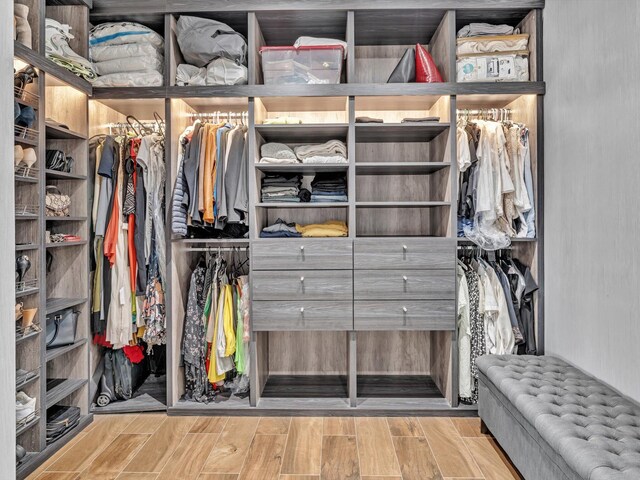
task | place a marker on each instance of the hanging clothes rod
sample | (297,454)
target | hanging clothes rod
(216,249)
(497,113)
(218,114)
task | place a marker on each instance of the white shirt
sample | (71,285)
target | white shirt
(464,336)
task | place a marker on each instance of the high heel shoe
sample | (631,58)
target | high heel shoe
(23,29)
(23,264)
(28,315)
(49,261)
(19,311)
(18,154)
(29,159)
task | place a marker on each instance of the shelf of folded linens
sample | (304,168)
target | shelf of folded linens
(399,132)
(39,61)
(302,205)
(399,168)
(55,174)
(303,168)
(419,204)
(57,132)
(302,133)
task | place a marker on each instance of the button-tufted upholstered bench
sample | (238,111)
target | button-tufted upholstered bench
(556,422)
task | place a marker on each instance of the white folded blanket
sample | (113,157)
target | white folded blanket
(103,53)
(143,78)
(119,33)
(328,149)
(325,159)
(131,64)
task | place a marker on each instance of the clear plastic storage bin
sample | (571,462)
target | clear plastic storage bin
(302,65)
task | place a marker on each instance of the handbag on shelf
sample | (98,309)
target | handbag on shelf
(61,328)
(59,161)
(57,203)
(60,420)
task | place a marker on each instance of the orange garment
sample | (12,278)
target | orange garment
(131,245)
(209,173)
(111,234)
(203,150)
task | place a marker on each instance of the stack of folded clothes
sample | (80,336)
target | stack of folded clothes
(282,229)
(333,151)
(329,187)
(277,153)
(126,54)
(281,188)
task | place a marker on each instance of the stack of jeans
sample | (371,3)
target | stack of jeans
(281,188)
(329,187)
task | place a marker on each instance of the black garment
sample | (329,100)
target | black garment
(305,195)
(191,163)
(506,287)
(138,238)
(527,313)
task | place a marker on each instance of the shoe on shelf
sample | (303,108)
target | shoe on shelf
(29,159)
(57,49)
(18,154)
(23,30)
(25,406)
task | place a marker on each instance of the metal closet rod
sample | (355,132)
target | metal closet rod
(216,249)
(218,114)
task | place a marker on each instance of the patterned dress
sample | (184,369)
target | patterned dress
(478,345)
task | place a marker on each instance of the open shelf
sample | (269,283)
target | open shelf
(27,337)
(66,219)
(305,386)
(66,244)
(56,304)
(62,389)
(402,204)
(303,133)
(56,132)
(397,386)
(25,141)
(57,352)
(55,174)
(303,168)
(303,205)
(400,168)
(398,132)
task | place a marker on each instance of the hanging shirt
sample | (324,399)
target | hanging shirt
(465,384)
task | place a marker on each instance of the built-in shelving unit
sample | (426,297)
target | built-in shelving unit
(402,191)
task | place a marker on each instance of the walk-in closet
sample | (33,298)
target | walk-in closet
(304,224)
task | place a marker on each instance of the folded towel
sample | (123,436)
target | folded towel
(277,150)
(331,148)
(324,159)
(278,160)
(282,121)
(331,228)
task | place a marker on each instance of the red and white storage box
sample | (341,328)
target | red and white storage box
(306,65)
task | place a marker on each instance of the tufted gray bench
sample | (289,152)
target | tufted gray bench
(556,422)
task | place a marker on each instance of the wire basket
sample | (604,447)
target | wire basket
(26,96)
(26,285)
(24,133)
(24,331)
(26,420)
(23,210)
(22,171)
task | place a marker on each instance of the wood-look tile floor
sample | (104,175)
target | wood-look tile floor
(158,447)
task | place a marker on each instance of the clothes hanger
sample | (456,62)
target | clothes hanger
(159,122)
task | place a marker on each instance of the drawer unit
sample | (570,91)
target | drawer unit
(404,284)
(302,315)
(302,254)
(404,315)
(327,285)
(400,253)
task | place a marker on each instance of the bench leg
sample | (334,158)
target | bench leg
(483,428)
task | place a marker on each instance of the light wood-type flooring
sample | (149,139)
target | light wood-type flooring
(158,447)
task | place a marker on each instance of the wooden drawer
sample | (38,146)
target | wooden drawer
(328,285)
(404,284)
(399,253)
(302,254)
(302,315)
(404,315)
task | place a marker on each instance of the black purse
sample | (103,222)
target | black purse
(60,420)
(61,328)
(57,160)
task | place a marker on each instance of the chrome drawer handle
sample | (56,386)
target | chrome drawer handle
(302,279)
(405,278)
(404,247)
(404,309)
(301,247)
(302,310)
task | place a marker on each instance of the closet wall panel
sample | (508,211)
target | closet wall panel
(591,189)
